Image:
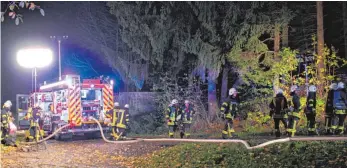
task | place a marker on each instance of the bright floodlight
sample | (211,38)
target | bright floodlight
(34,58)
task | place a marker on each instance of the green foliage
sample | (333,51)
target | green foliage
(13,10)
(296,154)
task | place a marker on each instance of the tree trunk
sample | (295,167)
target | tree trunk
(285,40)
(224,90)
(320,47)
(276,58)
(344,5)
(212,95)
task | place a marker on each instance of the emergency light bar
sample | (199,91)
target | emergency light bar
(53,85)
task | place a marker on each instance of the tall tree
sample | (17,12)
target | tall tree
(344,6)
(320,46)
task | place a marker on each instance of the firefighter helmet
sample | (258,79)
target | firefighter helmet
(126,106)
(279,91)
(293,88)
(232,91)
(312,88)
(186,102)
(116,104)
(174,101)
(341,85)
(8,104)
(333,85)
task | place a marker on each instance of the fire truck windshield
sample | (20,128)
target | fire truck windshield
(90,95)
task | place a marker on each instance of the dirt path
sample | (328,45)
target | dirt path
(81,154)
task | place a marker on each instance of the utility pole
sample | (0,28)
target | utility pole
(59,39)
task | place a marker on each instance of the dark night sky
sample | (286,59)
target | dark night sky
(37,29)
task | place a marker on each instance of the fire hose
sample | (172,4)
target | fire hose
(245,143)
(48,137)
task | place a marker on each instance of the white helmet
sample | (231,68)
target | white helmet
(8,104)
(232,91)
(312,88)
(126,106)
(333,85)
(174,101)
(341,85)
(279,91)
(116,104)
(293,88)
(186,102)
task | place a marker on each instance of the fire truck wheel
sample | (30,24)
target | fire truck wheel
(66,137)
(92,135)
(56,136)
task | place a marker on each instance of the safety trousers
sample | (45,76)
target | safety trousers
(172,130)
(292,122)
(329,129)
(117,133)
(338,123)
(277,125)
(185,130)
(228,129)
(311,123)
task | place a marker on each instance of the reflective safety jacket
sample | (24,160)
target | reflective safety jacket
(5,118)
(122,118)
(311,103)
(112,114)
(278,106)
(296,104)
(230,107)
(171,114)
(34,116)
(340,100)
(187,114)
(329,103)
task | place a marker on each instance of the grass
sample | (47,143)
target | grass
(296,154)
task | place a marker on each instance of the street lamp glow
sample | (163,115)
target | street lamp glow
(35,57)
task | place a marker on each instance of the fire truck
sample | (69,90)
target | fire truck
(69,101)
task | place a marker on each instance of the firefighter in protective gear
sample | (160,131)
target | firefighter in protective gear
(186,119)
(122,122)
(340,107)
(329,110)
(293,114)
(172,113)
(229,111)
(34,116)
(5,124)
(279,107)
(111,119)
(310,110)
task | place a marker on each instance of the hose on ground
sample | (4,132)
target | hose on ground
(245,143)
(109,141)
(45,139)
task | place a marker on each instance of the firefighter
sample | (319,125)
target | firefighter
(310,110)
(5,124)
(329,110)
(229,111)
(122,122)
(111,115)
(279,106)
(186,119)
(293,115)
(340,107)
(34,116)
(171,116)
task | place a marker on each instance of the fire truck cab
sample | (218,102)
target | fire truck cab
(74,103)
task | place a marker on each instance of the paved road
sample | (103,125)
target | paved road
(81,153)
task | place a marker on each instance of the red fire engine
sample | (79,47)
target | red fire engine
(70,102)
